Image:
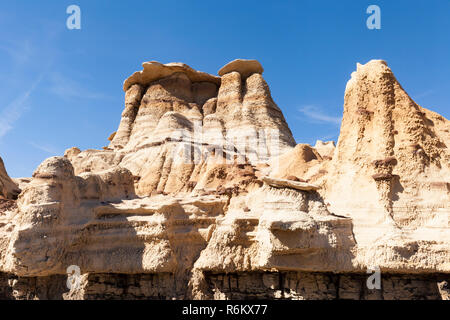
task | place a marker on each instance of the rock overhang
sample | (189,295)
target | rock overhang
(245,67)
(154,71)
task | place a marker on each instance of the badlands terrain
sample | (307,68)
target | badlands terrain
(203,193)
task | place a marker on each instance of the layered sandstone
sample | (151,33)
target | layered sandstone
(393,160)
(203,193)
(181,126)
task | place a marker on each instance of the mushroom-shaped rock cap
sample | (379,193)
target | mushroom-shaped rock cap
(54,168)
(245,67)
(154,70)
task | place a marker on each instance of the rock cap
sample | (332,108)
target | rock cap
(245,67)
(154,70)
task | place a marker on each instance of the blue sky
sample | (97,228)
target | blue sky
(63,88)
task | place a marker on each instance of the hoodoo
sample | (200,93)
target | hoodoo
(203,193)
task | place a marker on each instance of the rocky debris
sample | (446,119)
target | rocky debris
(203,190)
(8,188)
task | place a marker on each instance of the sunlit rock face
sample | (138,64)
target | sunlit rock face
(393,162)
(178,121)
(8,188)
(203,193)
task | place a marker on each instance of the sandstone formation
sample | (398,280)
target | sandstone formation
(203,193)
(325,149)
(393,160)
(154,70)
(8,188)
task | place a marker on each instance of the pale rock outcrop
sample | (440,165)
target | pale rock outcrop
(285,229)
(133,98)
(204,194)
(176,120)
(57,212)
(393,162)
(302,162)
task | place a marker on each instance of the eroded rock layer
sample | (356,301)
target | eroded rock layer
(203,193)
(238,286)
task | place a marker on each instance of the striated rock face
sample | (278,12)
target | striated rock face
(181,126)
(393,162)
(203,193)
(244,67)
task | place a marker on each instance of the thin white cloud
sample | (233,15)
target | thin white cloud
(20,52)
(12,112)
(424,94)
(44,147)
(317,115)
(67,88)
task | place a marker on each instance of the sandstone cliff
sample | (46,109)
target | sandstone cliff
(393,162)
(203,193)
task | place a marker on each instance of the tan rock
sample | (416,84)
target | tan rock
(168,112)
(303,161)
(282,183)
(387,181)
(325,149)
(154,70)
(194,199)
(8,188)
(245,68)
